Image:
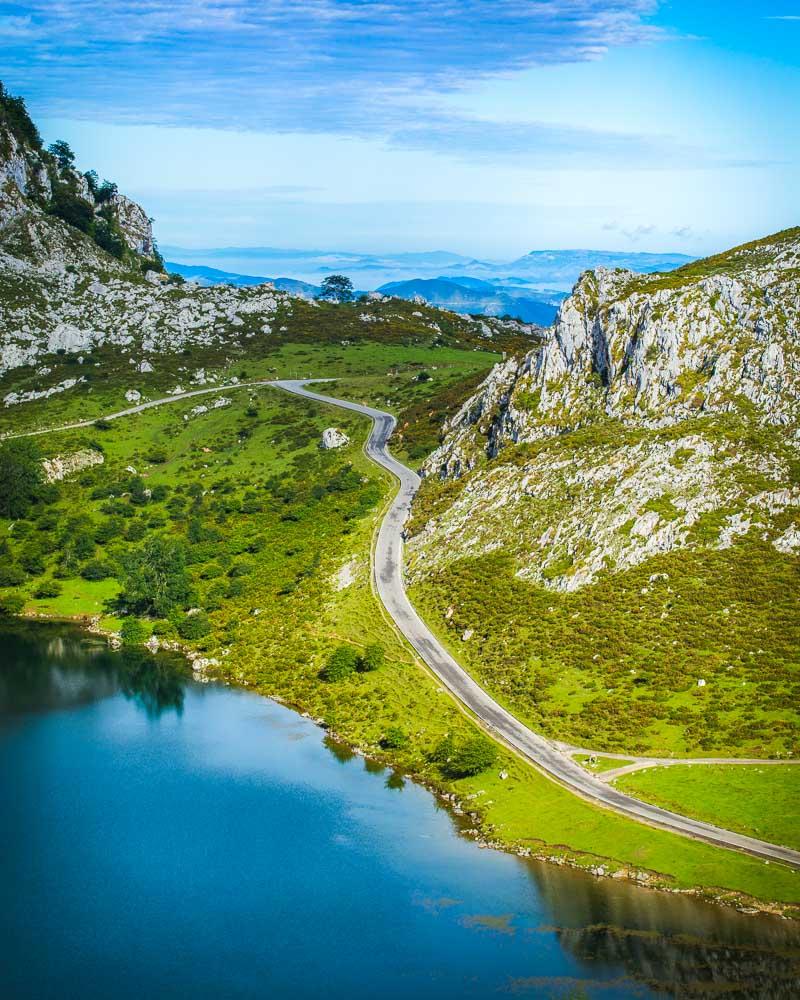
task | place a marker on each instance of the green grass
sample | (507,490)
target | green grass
(762,802)
(263,479)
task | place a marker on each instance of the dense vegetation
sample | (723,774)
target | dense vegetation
(615,666)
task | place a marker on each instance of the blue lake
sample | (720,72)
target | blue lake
(162,838)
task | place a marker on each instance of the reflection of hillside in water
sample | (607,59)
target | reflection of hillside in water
(676,944)
(47,667)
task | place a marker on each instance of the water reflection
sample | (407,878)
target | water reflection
(79,669)
(671,943)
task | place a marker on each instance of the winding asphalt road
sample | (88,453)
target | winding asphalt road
(388,574)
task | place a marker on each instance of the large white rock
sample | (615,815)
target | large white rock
(332,437)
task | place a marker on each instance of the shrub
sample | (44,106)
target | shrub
(133,632)
(11,575)
(101,424)
(372,658)
(97,569)
(49,588)
(11,604)
(157,456)
(394,738)
(70,207)
(342,662)
(193,626)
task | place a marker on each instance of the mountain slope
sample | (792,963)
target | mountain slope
(646,457)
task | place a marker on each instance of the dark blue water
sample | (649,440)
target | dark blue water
(160,838)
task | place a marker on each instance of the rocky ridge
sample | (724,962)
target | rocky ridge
(661,413)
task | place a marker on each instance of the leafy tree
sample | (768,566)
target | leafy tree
(63,154)
(93,181)
(14,113)
(21,477)
(373,658)
(154,577)
(11,575)
(11,604)
(394,738)
(97,569)
(133,632)
(107,236)
(106,191)
(337,288)
(342,662)
(193,626)
(70,207)
(469,758)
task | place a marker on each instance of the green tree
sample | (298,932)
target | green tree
(11,575)
(133,632)
(394,738)
(337,288)
(194,626)
(97,569)
(470,758)
(70,207)
(60,149)
(373,658)
(342,662)
(21,477)
(154,577)
(11,604)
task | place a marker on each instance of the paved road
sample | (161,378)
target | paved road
(388,573)
(176,397)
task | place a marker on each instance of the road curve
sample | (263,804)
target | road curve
(388,575)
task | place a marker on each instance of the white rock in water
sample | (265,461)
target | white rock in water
(332,437)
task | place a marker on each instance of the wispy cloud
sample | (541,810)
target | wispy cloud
(352,67)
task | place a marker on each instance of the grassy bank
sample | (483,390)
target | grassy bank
(761,802)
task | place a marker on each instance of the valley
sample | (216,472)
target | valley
(605,536)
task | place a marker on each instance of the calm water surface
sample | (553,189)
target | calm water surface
(160,838)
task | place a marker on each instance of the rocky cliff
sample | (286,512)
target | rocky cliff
(661,413)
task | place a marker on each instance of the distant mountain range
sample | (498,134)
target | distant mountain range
(529,287)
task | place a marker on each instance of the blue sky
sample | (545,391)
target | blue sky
(489,128)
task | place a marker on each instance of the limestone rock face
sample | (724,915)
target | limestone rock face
(332,437)
(636,428)
(63,466)
(135,225)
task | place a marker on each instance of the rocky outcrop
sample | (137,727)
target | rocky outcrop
(610,479)
(332,437)
(650,351)
(63,466)
(135,225)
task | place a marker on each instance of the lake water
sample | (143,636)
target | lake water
(161,838)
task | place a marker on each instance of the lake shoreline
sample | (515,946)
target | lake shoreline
(480,832)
